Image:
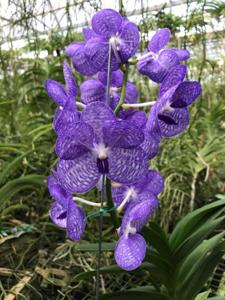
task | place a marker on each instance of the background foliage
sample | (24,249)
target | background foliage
(37,261)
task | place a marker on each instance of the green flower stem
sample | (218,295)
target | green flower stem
(121,7)
(101,211)
(123,90)
(113,213)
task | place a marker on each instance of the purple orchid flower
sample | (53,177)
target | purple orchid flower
(169,116)
(135,217)
(158,61)
(99,144)
(95,143)
(64,98)
(108,28)
(95,90)
(152,182)
(64,212)
(139,201)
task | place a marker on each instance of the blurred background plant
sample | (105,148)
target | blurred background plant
(37,261)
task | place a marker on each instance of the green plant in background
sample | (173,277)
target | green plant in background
(27,154)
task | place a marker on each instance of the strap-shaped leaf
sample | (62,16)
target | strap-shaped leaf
(217,298)
(198,266)
(185,227)
(12,166)
(143,293)
(93,247)
(202,296)
(156,238)
(12,187)
(196,238)
(113,269)
(199,279)
(155,272)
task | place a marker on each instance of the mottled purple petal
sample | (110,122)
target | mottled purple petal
(97,51)
(89,33)
(92,90)
(168,58)
(182,54)
(138,211)
(81,62)
(58,215)
(57,191)
(127,165)
(157,69)
(72,48)
(186,93)
(76,221)
(130,251)
(137,119)
(116,78)
(71,85)
(107,22)
(118,192)
(79,175)
(129,36)
(56,92)
(151,143)
(174,77)
(77,140)
(63,118)
(131,93)
(154,182)
(180,118)
(159,40)
(152,125)
(123,135)
(146,63)
(98,115)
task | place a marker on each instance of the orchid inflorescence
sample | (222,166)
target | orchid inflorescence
(104,135)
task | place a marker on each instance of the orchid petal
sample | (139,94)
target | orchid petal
(159,40)
(130,251)
(79,175)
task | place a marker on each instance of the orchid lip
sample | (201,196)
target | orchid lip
(62,215)
(167,108)
(103,166)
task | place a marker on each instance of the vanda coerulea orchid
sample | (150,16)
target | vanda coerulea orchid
(107,135)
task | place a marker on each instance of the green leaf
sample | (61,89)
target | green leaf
(93,247)
(12,166)
(18,148)
(198,266)
(14,207)
(154,271)
(202,296)
(196,238)
(142,293)
(199,279)
(217,298)
(113,269)
(155,236)
(39,131)
(186,226)
(11,188)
